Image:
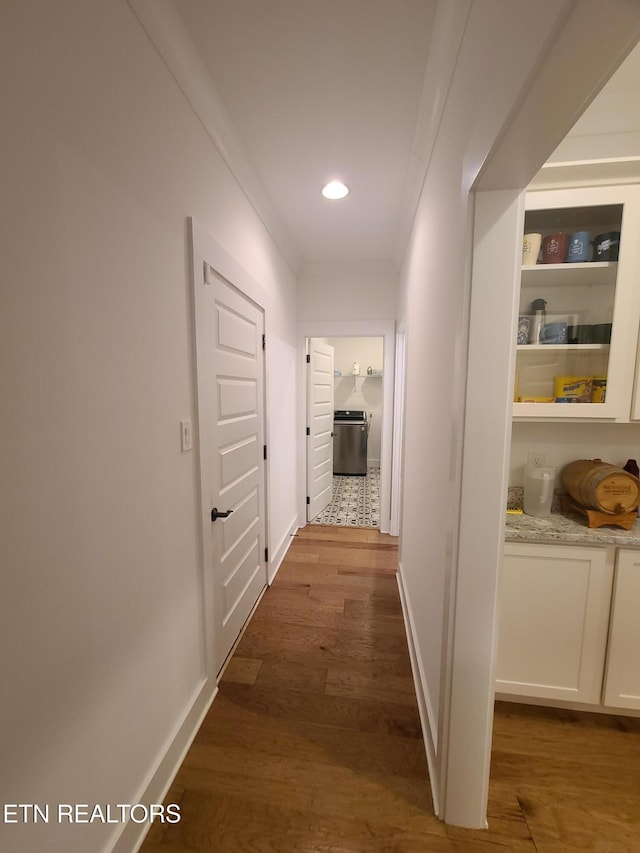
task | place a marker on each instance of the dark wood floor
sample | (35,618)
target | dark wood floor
(314,745)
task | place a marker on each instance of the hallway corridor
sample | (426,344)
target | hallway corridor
(314,741)
(313,744)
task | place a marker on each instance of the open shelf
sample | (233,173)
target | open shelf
(601,272)
(539,348)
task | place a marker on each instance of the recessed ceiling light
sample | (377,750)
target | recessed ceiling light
(335,190)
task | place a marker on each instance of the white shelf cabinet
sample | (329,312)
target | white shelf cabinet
(583,293)
(554,604)
(622,682)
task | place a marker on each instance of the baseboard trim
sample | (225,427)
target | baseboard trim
(426,718)
(156,789)
(281,551)
(612,711)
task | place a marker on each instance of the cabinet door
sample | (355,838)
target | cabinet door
(553,618)
(622,684)
(577,361)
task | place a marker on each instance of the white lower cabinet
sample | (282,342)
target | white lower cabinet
(622,680)
(554,605)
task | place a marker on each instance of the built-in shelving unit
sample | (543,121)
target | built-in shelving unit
(598,295)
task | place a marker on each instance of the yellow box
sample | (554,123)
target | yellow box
(599,389)
(578,387)
(536,399)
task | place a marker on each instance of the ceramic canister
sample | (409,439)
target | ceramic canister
(554,248)
(554,333)
(531,249)
(524,326)
(606,246)
(579,246)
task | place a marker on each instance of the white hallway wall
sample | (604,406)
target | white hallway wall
(347,291)
(102,163)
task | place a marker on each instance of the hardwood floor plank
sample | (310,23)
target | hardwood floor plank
(363,684)
(236,823)
(331,619)
(360,751)
(396,664)
(590,738)
(298,599)
(384,717)
(324,647)
(374,605)
(282,673)
(327,596)
(332,532)
(328,789)
(301,557)
(389,718)
(349,554)
(573,821)
(242,670)
(566,774)
(576,776)
(292,704)
(340,577)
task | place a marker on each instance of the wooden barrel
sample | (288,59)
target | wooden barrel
(597,485)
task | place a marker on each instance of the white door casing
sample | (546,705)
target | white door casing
(230,385)
(349,329)
(320,425)
(398,431)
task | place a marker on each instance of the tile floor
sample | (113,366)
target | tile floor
(355,501)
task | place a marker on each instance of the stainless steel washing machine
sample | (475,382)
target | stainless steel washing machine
(351,432)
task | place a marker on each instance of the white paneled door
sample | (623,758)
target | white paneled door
(320,427)
(229,341)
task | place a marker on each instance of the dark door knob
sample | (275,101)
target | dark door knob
(215,514)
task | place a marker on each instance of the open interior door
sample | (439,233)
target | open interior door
(320,427)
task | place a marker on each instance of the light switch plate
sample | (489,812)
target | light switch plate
(186,436)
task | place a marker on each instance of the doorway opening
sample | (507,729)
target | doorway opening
(344,415)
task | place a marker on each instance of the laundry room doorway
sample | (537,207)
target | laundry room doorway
(353,488)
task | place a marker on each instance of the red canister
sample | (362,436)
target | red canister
(554,248)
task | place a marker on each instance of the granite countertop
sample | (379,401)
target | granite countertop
(564,527)
(558,528)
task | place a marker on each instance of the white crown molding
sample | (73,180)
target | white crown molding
(167,33)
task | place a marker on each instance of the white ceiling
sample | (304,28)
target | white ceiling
(617,107)
(336,89)
(603,146)
(319,91)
